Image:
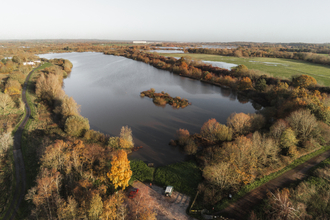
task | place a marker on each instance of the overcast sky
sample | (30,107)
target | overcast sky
(168,20)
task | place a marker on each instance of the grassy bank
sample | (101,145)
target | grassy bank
(277,67)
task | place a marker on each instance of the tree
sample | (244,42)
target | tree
(245,83)
(126,139)
(281,205)
(190,147)
(49,87)
(240,123)
(120,172)
(260,85)
(13,87)
(96,207)
(76,125)
(5,102)
(304,81)
(214,131)
(183,135)
(303,123)
(219,174)
(68,107)
(6,140)
(288,138)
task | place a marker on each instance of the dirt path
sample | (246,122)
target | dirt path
(18,159)
(242,207)
(167,208)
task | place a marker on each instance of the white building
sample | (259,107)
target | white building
(29,63)
(139,42)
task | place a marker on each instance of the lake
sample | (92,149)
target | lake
(108,89)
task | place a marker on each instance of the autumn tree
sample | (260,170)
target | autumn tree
(76,125)
(281,206)
(245,83)
(6,141)
(214,131)
(183,135)
(5,102)
(220,174)
(120,172)
(96,207)
(288,142)
(126,139)
(49,87)
(303,123)
(68,107)
(304,81)
(190,147)
(240,123)
(112,206)
(13,87)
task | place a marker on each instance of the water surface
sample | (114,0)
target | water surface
(108,89)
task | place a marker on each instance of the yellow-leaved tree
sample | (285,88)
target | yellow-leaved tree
(120,172)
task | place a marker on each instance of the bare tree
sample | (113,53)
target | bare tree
(5,102)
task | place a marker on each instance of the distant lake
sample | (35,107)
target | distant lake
(108,89)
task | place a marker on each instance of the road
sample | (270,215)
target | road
(18,159)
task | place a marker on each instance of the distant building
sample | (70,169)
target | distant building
(139,42)
(28,63)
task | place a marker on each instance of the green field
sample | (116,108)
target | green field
(277,67)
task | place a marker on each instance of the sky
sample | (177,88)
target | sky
(168,20)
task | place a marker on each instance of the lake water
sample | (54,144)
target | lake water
(108,89)
(166,51)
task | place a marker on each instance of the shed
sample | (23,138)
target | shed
(168,191)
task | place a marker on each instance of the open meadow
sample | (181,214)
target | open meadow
(276,67)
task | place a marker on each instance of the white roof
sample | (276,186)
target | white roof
(168,189)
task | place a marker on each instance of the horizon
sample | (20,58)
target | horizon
(175,21)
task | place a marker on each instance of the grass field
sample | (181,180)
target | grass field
(277,67)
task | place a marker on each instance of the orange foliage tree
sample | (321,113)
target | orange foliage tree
(120,172)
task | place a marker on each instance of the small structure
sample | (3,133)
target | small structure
(168,191)
(139,42)
(28,63)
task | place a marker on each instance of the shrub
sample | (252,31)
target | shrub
(141,171)
(76,125)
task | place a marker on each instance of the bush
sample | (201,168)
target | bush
(141,171)
(183,176)
(76,126)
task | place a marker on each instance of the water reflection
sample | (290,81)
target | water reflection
(108,90)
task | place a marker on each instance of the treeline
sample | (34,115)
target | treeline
(307,200)
(76,178)
(249,147)
(263,52)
